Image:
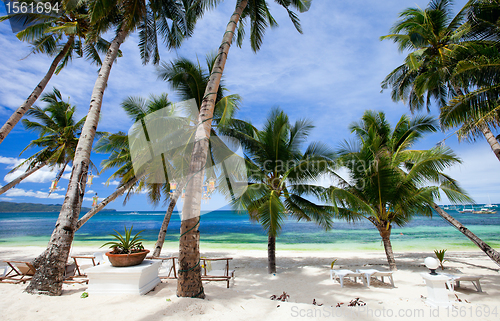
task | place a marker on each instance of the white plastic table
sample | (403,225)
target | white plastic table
(138,279)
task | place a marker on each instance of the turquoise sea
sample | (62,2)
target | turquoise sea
(229,230)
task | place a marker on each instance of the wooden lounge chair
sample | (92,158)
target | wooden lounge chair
(167,264)
(70,275)
(20,271)
(341,274)
(96,258)
(79,269)
(207,274)
(222,274)
(369,273)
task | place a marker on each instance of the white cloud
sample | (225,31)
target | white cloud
(111,183)
(42,175)
(66,176)
(330,74)
(19,192)
(12,161)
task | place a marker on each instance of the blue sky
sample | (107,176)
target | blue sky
(330,74)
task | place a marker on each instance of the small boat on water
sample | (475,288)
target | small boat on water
(489,205)
(484,211)
(467,210)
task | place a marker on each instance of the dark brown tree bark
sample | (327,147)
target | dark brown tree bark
(19,113)
(492,254)
(189,273)
(386,239)
(50,265)
(271,254)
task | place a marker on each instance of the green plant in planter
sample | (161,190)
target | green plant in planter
(440,257)
(126,244)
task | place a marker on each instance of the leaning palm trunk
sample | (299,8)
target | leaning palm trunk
(51,263)
(494,255)
(495,146)
(19,113)
(119,191)
(166,221)
(386,239)
(189,282)
(271,254)
(21,177)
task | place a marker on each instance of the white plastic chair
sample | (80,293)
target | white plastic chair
(341,274)
(375,273)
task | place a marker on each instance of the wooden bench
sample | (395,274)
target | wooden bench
(216,275)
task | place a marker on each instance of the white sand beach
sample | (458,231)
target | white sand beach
(302,275)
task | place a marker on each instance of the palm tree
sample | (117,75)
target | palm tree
(429,72)
(389,182)
(62,36)
(126,16)
(430,35)
(190,80)
(448,68)
(189,283)
(58,136)
(281,176)
(476,110)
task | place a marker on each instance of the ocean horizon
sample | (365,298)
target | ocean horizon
(224,229)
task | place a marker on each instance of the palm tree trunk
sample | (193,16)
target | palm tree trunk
(189,282)
(19,113)
(386,239)
(21,177)
(51,263)
(494,255)
(495,146)
(119,191)
(166,221)
(271,254)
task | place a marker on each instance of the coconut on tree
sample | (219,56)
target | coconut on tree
(59,132)
(388,181)
(282,176)
(62,36)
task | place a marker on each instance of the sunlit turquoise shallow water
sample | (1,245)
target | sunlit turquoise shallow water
(229,230)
